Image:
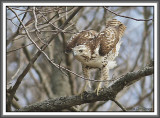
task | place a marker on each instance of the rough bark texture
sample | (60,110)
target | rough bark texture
(105,94)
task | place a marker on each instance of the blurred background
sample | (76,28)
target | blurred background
(45,81)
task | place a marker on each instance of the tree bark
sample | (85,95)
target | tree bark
(105,94)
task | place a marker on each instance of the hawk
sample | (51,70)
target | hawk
(97,50)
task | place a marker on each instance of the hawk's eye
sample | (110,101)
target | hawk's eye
(80,50)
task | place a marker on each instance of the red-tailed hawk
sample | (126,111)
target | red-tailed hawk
(97,50)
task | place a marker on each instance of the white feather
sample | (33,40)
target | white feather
(111,56)
(118,47)
(111,64)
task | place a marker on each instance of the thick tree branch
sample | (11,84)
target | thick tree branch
(105,94)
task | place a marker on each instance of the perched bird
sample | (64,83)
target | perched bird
(97,50)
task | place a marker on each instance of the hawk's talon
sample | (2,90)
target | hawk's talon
(81,94)
(97,91)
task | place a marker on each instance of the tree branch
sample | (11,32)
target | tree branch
(17,32)
(105,94)
(119,105)
(127,16)
(20,78)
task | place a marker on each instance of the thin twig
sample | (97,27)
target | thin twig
(80,75)
(50,22)
(69,26)
(15,16)
(60,68)
(40,39)
(8,52)
(127,16)
(62,16)
(35,19)
(119,105)
(41,27)
(94,17)
(21,9)
(21,76)
(25,29)
(22,19)
(13,23)
(17,32)
(19,68)
(54,16)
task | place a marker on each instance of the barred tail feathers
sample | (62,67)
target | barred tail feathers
(115,23)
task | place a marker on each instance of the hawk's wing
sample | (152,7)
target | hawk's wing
(84,37)
(117,24)
(110,37)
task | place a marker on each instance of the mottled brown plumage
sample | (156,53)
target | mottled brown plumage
(83,38)
(110,37)
(97,50)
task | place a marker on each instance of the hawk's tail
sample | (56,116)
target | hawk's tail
(116,23)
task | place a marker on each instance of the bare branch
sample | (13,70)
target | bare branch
(17,32)
(20,78)
(119,105)
(21,9)
(15,16)
(50,22)
(19,68)
(35,18)
(55,16)
(105,94)
(127,16)
(40,39)
(8,52)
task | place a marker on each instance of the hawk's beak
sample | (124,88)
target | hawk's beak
(74,53)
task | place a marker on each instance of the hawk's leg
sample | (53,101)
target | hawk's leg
(86,75)
(104,76)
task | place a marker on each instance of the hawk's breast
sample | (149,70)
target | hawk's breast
(98,61)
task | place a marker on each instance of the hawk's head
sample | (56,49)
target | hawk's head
(81,53)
